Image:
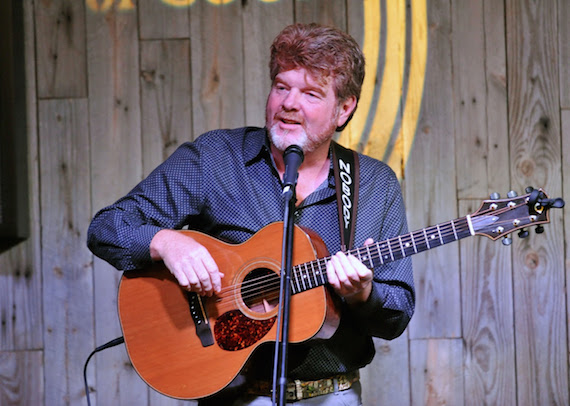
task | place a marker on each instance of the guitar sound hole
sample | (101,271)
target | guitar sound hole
(260,290)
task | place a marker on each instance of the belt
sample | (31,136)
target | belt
(298,389)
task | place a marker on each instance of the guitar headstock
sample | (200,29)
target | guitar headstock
(498,218)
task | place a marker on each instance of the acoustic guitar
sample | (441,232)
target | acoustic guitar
(187,346)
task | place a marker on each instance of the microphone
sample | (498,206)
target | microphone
(292,157)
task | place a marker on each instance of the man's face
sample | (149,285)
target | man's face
(302,110)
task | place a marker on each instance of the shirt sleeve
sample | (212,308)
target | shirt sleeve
(390,305)
(168,198)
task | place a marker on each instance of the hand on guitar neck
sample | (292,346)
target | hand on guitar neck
(349,277)
(189,261)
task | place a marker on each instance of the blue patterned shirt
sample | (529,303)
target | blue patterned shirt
(225,184)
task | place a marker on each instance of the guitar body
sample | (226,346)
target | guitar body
(159,319)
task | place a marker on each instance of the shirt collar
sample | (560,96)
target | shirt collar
(256,145)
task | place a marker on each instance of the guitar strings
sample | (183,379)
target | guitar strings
(384,252)
(445,230)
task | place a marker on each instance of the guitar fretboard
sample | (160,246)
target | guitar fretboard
(313,274)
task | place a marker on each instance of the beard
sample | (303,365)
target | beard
(281,141)
(308,142)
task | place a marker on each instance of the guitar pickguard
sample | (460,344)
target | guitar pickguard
(234,331)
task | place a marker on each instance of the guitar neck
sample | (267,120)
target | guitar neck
(313,274)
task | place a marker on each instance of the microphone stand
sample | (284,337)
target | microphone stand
(282,336)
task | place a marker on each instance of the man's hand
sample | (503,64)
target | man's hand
(349,277)
(189,262)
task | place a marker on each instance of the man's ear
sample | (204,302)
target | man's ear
(346,110)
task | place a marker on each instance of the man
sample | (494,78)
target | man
(228,183)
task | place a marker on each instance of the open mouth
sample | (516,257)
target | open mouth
(289,121)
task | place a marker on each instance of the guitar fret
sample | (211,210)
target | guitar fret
(454,231)
(320,271)
(308,276)
(426,237)
(414,243)
(409,248)
(296,278)
(432,233)
(439,232)
(304,278)
(464,230)
(448,233)
(292,284)
(401,246)
(369,257)
(390,249)
(309,273)
(314,273)
(379,254)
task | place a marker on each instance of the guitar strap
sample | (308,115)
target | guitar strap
(347,177)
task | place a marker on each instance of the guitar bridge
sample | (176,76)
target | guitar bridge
(200,319)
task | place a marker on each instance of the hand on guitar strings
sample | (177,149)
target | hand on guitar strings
(189,262)
(349,277)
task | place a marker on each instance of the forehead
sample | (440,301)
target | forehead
(311,78)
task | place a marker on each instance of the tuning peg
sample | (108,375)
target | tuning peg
(539,229)
(523,233)
(495,196)
(529,189)
(507,240)
(512,194)
(557,203)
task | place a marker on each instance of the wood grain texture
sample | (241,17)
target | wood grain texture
(566,187)
(158,20)
(166,108)
(386,380)
(564,52)
(436,372)
(21,378)
(61,53)
(469,97)
(20,300)
(430,192)
(498,174)
(487,312)
(66,261)
(217,66)
(534,126)
(328,12)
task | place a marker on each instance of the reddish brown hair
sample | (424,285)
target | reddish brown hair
(323,51)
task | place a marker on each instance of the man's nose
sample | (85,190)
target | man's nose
(291,101)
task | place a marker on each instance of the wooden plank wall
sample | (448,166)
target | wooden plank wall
(114,86)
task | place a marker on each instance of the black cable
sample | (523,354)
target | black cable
(112,343)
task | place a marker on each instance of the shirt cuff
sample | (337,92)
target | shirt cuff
(140,245)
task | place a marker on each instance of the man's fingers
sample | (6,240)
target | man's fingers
(347,275)
(214,274)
